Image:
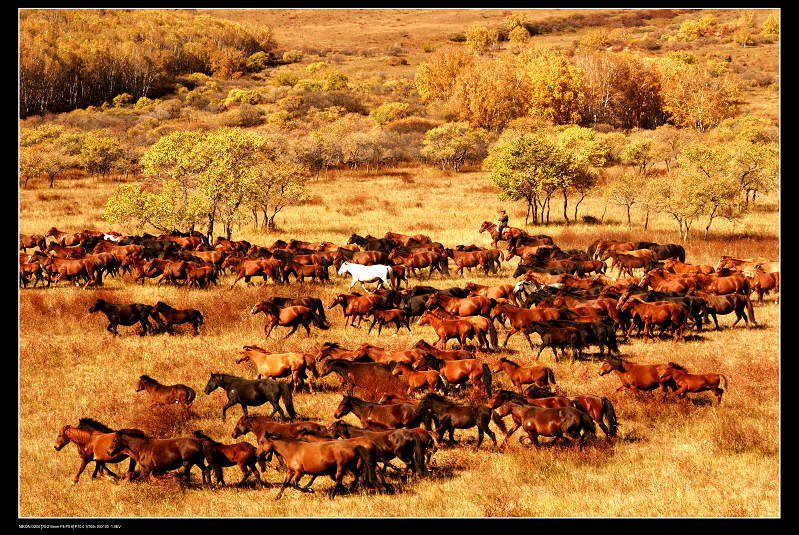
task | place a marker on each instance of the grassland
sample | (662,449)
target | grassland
(676,458)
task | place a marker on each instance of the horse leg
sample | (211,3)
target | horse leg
(83,462)
(227,405)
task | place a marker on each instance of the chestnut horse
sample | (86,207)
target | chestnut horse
(507,233)
(260,425)
(521,318)
(659,312)
(293,317)
(452,416)
(461,306)
(92,440)
(690,382)
(374,415)
(166,394)
(557,422)
(524,375)
(167,316)
(639,377)
(429,379)
(271,365)
(219,455)
(460,371)
(460,329)
(354,306)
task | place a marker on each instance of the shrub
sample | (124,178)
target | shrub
(143,102)
(249,96)
(316,67)
(457,37)
(335,81)
(285,78)
(293,56)
(257,62)
(680,55)
(121,100)
(390,112)
(743,37)
(242,115)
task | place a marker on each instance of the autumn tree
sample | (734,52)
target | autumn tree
(278,183)
(435,79)
(454,144)
(480,39)
(625,190)
(99,152)
(529,167)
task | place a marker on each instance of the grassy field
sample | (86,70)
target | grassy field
(690,458)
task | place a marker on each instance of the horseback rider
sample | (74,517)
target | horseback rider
(502,223)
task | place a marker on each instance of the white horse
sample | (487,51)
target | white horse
(379,273)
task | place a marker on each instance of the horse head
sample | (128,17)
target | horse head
(62,439)
(213,383)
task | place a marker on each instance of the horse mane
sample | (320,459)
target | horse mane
(148,378)
(133,432)
(201,435)
(89,424)
(677,366)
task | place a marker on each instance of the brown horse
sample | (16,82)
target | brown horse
(166,316)
(72,269)
(461,306)
(92,440)
(672,264)
(459,329)
(413,446)
(373,378)
(690,382)
(457,372)
(260,425)
(417,380)
(376,416)
(382,317)
(521,318)
(524,375)
(502,291)
(470,259)
(354,306)
(386,356)
(484,331)
(507,232)
(246,269)
(639,377)
(718,284)
(166,394)
(293,317)
(158,455)
(663,281)
(219,456)
(557,422)
(328,457)
(716,305)
(443,354)
(65,238)
(661,313)
(629,261)
(29,241)
(762,282)
(271,365)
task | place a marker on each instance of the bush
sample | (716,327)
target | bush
(257,62)
(285,78)
(242,115)
(293,56)
(143,102)
(390,112)
(121,100)
(457,37)
(248,96)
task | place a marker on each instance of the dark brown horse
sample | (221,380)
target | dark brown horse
(521,318)
(260,425)
(219,456)
(29,241)
(277,365)
(720,305)
(252,393)
(558,422)
(375,416)
(372,378)
(328,457)
(156,456)
(123,315)
(663,313)
(451,416)
(507,233)
(166,394)
(382,317)
(167,316)
(404,444)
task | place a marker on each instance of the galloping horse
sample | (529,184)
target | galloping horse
(429,379)
(639,377)
(689,382)
(271,365)
(166,316)
(329,457)
(252,393)
(451,416)
(378,273)
(92,440)
(459,371)
(460,329)
(158,455)
(123,315)
(461,306)
(524,375)
(558,422)
(166,394)
(293,317)
(354,306)
(261,425)
(374,415)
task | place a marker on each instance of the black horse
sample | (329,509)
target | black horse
(123,315)
(453,416)
(314,303)
(372,244)
(253,393)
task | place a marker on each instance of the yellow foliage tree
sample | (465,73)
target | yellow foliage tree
(556,86)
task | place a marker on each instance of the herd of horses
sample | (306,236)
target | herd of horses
(409,402)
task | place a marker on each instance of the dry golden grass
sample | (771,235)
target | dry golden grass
(674,459)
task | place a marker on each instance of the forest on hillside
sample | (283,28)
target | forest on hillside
(156,98)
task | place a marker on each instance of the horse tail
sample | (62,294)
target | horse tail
(368,466)
(499,421)
(492,332)
(445,386)
(610,415)
(749,307)
(487,378)
(288,399)
(320,309)
(319,321)
(722,383)
(190,395)
(549,376)
(418,455)
(200,319)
